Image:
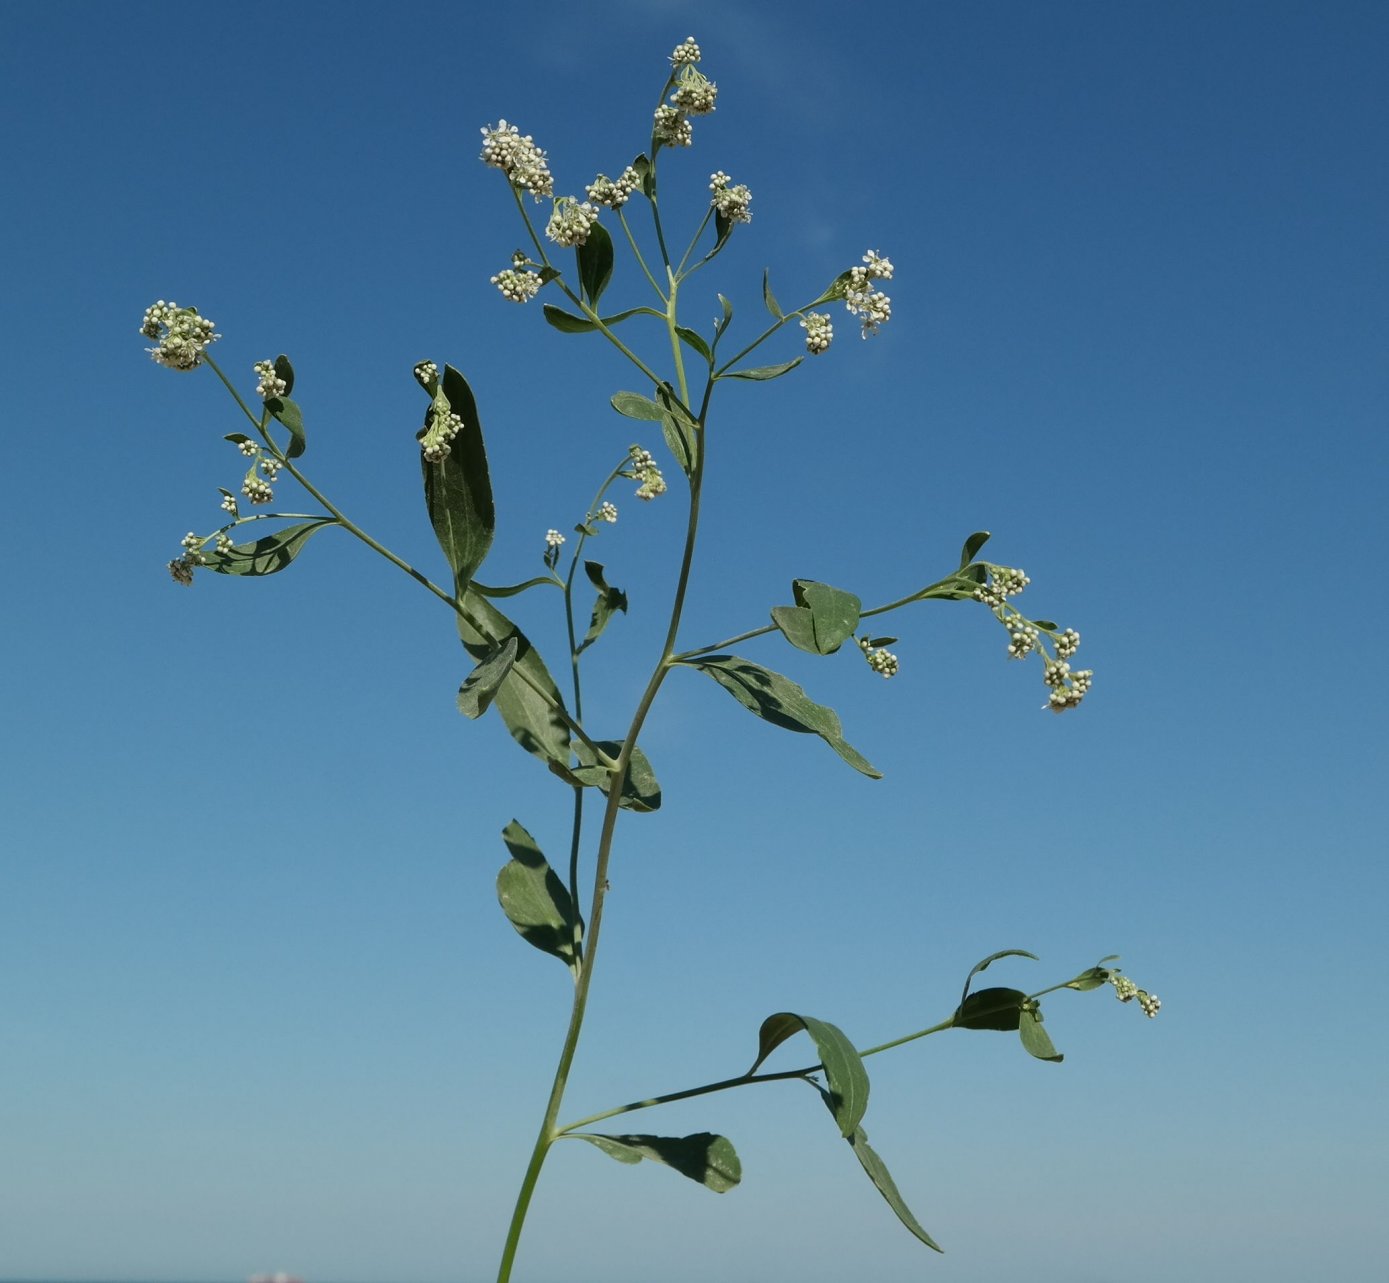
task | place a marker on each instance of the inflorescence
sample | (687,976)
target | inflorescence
(1126,991)
(182,335)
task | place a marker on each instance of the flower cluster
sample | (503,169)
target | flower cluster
(731,202)
(670,128)
(695,93)
(1003,582)
(614,192)
(870,305)
(685,52)
(269,383)
(553,538)
(606,512)
(256,490)
(517,156)
(442,425)
(881,661)
(1068,687)
(182,335)
(571,221)
(518,286)
(818,332)
(642,467)
(1126,991)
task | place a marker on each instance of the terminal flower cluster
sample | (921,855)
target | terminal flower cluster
(686,51)
(863,299)
(1126,991)
(882,662)
(731,202)
(642,467)
(181,334)
(516,155)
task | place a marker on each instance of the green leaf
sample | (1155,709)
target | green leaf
(646,171)
(609,601)
(779,700)
(844,1071)
(236,438)
(287,413)
(989,961)
(640,792)
(694,339)
(266,556)
(972,545)
(768,297)
(723,228)
(532,896)
(762,372)
(567,322)
(705,1158)
(481,685)
(822,619)
(882,1179)
(1092,979)
(532,719)
(595,257)
(1049,625)
(722,324)
(1036,1039)
(990,1009)
(679,429)
(511,590)
(458,489)
(636,406)
(284,371)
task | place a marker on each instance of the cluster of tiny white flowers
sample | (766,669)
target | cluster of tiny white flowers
(517,156)
(229,503)
(881,661)
(224,542)
(271,468)
(870,305)
(818,332)
(1067,688)
(1067,643)
(553,538)
(1126,991)
(614,192)
(1004,582)
(256,490)
(570,222)
(442,429)
(426,372)
(731,202)
(695,94)
(1022,639)
(519,287)
(671,129)
(248,447)
(607,512)
(644,469)
(191,545)
(685,52)
(270,384)
(181,333)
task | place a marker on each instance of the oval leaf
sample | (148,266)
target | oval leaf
(284,371)
(705,1158)
(990,1009)
(595,257)
(567,322)
(288,413)
(635,406)
(844,1071)
(992,958)
(458,489)
(266,556)
(1036,1039)
(534,899)
(694,339)
(972,545)
(834,613)
(480,687)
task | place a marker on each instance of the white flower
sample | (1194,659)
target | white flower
(695,93)
(608,513)
(644,469)
(878,268)
(671,128)
(614,192)
(517,156)
(519,287)
(269,384)
(570,222)
(553,538)
(256,490)
(685,52)
(818,332)
(731,202)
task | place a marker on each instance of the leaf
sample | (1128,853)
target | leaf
(266,556)
(610,600)
(646,171)
(694,339)
(532,896)
(760,373)
(882,1179)
(480,686)
(567,322)
(822,618)
(779,700)
(987,962)
(705,1158)
(287,412)
(722,324)
(284,371)
(1048,624)
(595,257)
(1091,979)
(1036,1039)
(768,297)
(990,1009)
(636,406)
(533,720)
(458,489)
(723,228)
(641,791)
(844,1071)
(511,590)
(972,545)
(679,429)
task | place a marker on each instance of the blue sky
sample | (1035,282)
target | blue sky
(260,1009)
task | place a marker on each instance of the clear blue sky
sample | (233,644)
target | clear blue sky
(258,1006)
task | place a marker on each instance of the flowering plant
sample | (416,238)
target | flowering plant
(544,904)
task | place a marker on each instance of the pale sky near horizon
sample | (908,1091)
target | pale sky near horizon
(258,1007)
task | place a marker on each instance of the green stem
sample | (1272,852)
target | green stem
(641,262)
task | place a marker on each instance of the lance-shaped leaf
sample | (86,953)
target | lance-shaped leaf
(708,1159)
(481,685)
(528,699)
(989,961)
(999,1009)
(595,257)
(636,406)
(822,619)
(694,339)
(972,545)
(284,371)
(532,896)
(1035,1038)
(288,413)
(458,489)
(512,590)
(641,791)
(609,601)
(679,429)
(567,322)
(844,1071)
(760,373)
(882,1179)
(767,296)
(266,556)
(779,700)
(722,323)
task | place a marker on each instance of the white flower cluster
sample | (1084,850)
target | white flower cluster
(1126,991)
(1004,582)
(271,468)
(517,156)
(1022,639)
(570,222)
(685,52)
(426,372)
(870,305)
(643,468)
(519,287)
(256,490)
(818,332)
(553,538)
(607,512)
(614,192)
(181,333)
(269,384)
(229,503)
(882,662)
(248,447)
(695,94)
(224,542)
(731,202)
(671,129)
(1067,644)
(1067,688)
(444,425)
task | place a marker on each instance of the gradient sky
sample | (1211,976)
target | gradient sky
(258,1006)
